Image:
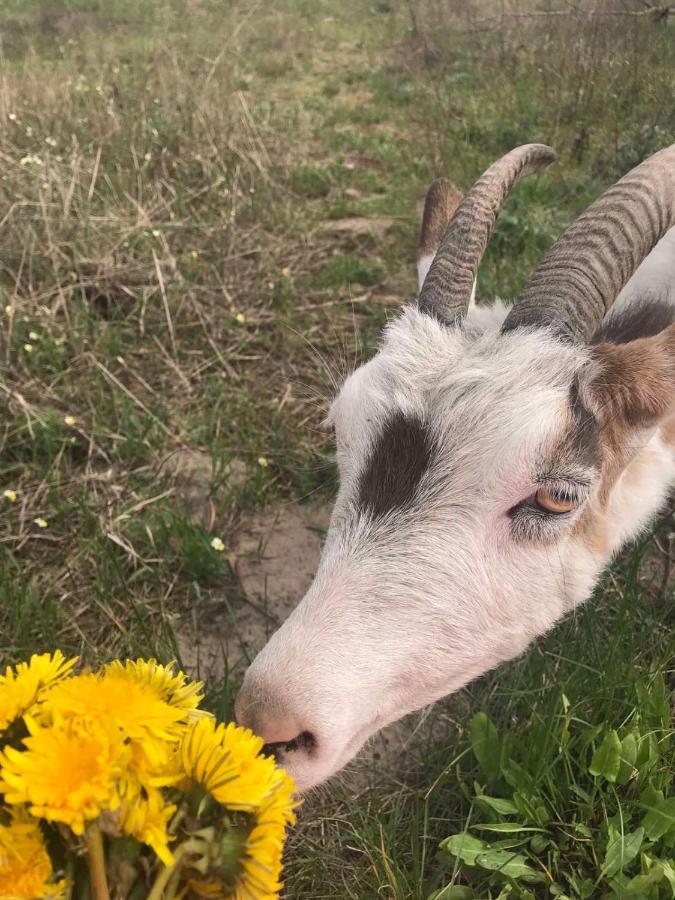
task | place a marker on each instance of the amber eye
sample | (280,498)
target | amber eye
(556,501)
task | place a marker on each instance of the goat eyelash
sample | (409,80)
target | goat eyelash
(531,521)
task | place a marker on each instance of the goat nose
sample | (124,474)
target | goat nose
(304,743)
(281,731)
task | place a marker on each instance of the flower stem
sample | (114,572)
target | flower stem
(99,882)
(164,877)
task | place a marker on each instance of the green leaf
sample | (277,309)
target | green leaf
(517,777)
(539,843)
(648,754)
(453,892)
(607,758)
(660,818)
(485,746)
(629,748)
(499,805)
(507,827)
(641,885)
(506,863)
(622,850)
(464,846)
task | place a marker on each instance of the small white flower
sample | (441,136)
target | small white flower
(28,348)
(10,495)
(12,117)
(33,336)
(241,318)
(40,522)
(9,310)
(51,142)
(263,462)
(70,421)
(217,544)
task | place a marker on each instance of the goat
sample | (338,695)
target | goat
(491,462)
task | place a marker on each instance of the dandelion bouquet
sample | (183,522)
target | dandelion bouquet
(115,784)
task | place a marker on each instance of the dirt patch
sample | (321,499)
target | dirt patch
(198,484)
(359,226)
(274,560)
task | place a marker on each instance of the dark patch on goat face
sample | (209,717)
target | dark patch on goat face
(640,319)
(396,465)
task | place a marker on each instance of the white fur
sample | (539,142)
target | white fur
(407,608)
(423,265)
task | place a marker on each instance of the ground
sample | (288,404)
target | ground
(208,210)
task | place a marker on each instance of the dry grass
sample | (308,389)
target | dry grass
(171,178)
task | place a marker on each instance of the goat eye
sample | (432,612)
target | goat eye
(555,501)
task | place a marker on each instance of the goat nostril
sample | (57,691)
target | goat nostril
(304,742)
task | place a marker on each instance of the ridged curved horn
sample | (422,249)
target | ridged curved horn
(582,274)
(447,288)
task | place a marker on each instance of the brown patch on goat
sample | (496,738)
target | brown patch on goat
(440,205)
(668,432)
(630,389)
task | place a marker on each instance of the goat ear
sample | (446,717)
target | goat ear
(633,384)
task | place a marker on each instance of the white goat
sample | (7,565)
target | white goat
(491,462)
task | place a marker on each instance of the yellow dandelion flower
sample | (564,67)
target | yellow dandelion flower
(146,818)
(217,544)
(225,761)
(41,523)
(173,687)
(70,421)
(28,348)
(22,686)
(139,712)
(248,862)
(10,495)
(25,866)
(66,774)
(207,888)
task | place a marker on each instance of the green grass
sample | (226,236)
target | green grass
(168,170)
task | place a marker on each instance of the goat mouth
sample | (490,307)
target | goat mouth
(305,741)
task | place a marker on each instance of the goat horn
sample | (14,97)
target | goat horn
(581,276)
(447,288)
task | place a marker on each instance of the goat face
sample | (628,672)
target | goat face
(477,479)
(439,562)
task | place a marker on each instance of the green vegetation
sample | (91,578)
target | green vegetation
(168,279)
